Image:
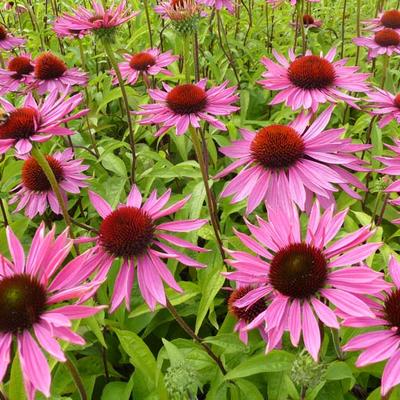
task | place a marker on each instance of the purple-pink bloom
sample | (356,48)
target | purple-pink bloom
(302,277)
(384,104)
(385,41)
(35,122)
(133,233)
(19,71)
(285,164)
(219,4)
(308,81)
(35,193)
(8,42)
(309,22)
(188,104)
(383,343)
(388,19)
(34,290)
(148,62)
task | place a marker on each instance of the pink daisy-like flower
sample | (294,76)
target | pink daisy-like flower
(188,104)
(388,19)
(299,275)
(148,62)
(131,232)
(35,193)
(98,20)
(309,22)
(33,308)
(384,343)
(385,104)
(291,163)
(62,28)
(52,74)
(219,4)
(384,41)
(19,9)
(19,71)
(310,80)
(179,10)
(37,122)
(8,42)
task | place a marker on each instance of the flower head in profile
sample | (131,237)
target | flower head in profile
(188,104)
(18,8)
(388,19)
(383,342)
(34,292)
(219,4)
(19,71)
(8,42)
(52,74)
(286,164)
(35,122)
(35,194)
(385,41)
(309,22)
(310,80)
(99,20)
(384,104)
(148,62)
(303,277)
(133,233)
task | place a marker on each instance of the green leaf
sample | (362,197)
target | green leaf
(114,164)
(174,355)
(337,371)
(248,390)
(16,389)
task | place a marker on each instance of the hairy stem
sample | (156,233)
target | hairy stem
(336,344)
(77,379)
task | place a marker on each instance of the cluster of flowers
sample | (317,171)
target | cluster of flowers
(286,283)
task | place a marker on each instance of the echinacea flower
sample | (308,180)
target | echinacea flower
(148,62)
(292,163)
(246,315)
(309,22)
(388,19)
(35,122)
(188,104)
(18,8)
(99,20)
(310,80)
(19,71)
(35,193)
(132,233)
(384,104)
(302,277)
(52,74)
(385,41)
(219,4)
(382,343)
(33,309)
(8,42)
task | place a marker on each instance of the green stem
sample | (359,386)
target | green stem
(384,70)
(146,10)
(186,64)
(114,63)
(77,379)
(358,29)
(336,344)
(377,201)
(303,36)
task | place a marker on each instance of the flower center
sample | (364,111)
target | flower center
(142,61)
(308,19)
(21,65)
(22,302)
(187,99)
(247,313)
(392,308)
(3,33)
(277,147)
(126,232)
(391,19)
(35,179)
(176,4)
(48,66)
(387,37)
(397,101)
(311,72)
(95,18)
(298,270)
(20,124)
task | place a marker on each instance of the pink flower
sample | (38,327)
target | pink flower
(219,4)
(386,105)
(8,42)
(35,193)
(37,122)
(384,342)
(19,9)
(309,22)
(384,41)
(180,10)
(276,3)
(131,232)
(299,275)
(284,164)
(84,21)
(19,71)
(148,62)
(310,80)
(388,19)
(33,295)
(51,74)
(188,104)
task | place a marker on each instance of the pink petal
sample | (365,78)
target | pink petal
(16,251)
(311,333)
(101,206)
